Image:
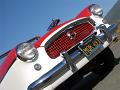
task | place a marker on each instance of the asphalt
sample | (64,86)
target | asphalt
(112,80)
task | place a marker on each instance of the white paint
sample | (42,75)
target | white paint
(79,65)
(106,44)
(82,63)
(22,74)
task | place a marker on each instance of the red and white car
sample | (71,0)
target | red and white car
(80,44)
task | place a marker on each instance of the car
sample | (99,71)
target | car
(77,45)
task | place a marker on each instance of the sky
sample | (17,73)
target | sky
(21,20)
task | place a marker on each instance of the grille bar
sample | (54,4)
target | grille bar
(63,42)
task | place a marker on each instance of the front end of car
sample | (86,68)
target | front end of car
(88,43)
(47,63)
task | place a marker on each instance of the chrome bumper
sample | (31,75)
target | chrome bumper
(69,61)
(112,30)
(109,33)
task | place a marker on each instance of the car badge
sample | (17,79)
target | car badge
(71,34)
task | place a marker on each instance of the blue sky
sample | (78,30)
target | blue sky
(21,20)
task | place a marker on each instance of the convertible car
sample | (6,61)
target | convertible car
(45,63)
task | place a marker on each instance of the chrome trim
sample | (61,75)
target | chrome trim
(69,62)
(21,49)
(95,49)
(92,9)
(105,31)
(81,21)
(112,30)
(59,70)
(109,33)
(48,78)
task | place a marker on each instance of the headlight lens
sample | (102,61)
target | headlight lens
(27,52)
(96,10)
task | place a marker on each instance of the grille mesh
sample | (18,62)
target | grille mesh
(64,43)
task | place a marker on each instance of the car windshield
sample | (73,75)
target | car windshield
(2,57)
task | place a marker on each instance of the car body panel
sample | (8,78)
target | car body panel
(18,75)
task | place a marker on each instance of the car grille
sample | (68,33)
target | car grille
(68,39)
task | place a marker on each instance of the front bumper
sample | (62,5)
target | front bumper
(72,62)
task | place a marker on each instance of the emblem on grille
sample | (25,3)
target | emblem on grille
(71,34)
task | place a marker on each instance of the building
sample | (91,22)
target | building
(113,16)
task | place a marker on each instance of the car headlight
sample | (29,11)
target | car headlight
(27,52)
(96,10)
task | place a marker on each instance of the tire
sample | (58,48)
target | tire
(106,62)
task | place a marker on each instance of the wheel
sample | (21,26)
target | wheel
(106,62)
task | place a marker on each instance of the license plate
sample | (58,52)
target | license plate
(90,46)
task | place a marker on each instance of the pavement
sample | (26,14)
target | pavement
(112,80)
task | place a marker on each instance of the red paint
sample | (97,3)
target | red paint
(84,13)
(7,63)
(82,31)
(38,43)
(12,55)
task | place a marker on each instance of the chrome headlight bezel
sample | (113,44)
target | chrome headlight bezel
(96,10)
(26,52)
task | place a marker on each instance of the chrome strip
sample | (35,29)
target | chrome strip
(112,30)
(81,21)
(109,32)
(55,73)
(105,31)
(93,53)
(46,79)
(59,70)
(70,63)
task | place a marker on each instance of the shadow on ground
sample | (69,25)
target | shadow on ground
(117,61)
(87,83)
